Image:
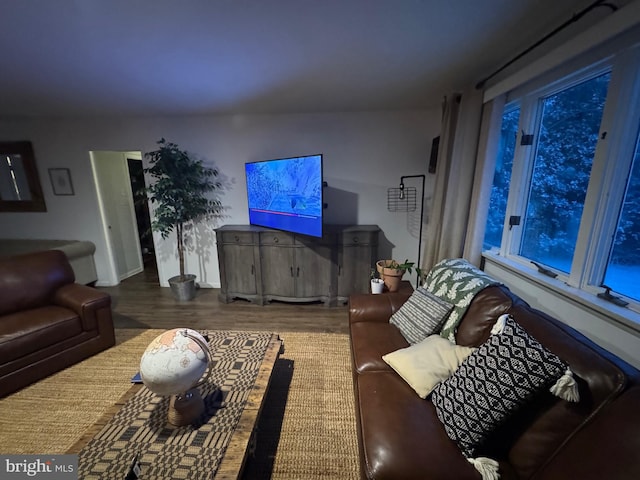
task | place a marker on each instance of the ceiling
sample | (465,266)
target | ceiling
(169,57)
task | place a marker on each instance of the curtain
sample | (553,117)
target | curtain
(449,214)
(483,178)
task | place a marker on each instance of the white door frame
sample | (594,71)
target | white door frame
(115,276)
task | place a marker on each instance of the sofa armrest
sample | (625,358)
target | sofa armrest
(83,300)
(375,308)
(611,440)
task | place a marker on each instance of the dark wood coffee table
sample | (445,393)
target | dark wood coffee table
(243,437)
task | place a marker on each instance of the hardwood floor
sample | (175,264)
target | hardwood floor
(139,302)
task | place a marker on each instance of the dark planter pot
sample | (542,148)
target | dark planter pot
(183,288)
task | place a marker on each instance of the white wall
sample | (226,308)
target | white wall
(606,332)
(365,153)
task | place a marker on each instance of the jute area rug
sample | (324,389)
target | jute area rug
(307,428)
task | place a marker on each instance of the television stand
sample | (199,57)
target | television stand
(261,264)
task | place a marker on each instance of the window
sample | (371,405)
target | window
(566,189)
(501,178)
(623,268)
(567,138)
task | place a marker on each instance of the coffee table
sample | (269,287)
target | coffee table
(243,363)
(244,436)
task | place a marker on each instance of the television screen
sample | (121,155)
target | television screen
(286,194)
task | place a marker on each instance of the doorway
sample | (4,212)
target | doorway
(141,208)
(115,189)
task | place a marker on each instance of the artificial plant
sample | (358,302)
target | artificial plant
(180,192)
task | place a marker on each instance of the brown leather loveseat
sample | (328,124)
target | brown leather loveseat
(47,322)
(401,437)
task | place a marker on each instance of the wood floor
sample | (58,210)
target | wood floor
(139,302)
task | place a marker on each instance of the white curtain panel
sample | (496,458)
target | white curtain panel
(483,178)
(449,214)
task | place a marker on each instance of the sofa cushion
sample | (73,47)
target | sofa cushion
(370,341)
(551,422)
(610,459)
(427,363)
(28,331)
(496,380)
(400,435)
(421,315)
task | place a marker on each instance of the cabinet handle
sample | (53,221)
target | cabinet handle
(253,269)
(276,240)
(292,271)
(236,238)
(298,272)
(355,239)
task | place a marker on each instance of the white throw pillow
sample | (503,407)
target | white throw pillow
(427,363)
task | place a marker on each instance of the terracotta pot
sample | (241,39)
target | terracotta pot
(380,264)
(391,276)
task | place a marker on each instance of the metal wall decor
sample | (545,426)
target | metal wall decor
(406,202)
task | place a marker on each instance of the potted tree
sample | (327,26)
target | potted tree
(179,194)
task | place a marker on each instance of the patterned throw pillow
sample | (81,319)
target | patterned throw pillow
(420,316)
(492,383)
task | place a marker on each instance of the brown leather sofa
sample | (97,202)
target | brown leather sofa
(400,436)
(47,322)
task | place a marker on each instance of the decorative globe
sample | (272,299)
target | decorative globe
(174,361)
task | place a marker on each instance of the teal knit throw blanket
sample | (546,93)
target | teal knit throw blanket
(456,281)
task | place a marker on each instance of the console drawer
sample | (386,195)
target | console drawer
(276,238)
(238,238)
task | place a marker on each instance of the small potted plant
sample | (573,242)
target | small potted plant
(392,272)
(377,284)
(180,195)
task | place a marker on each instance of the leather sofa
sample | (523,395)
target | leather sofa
(401,437)
(47,322)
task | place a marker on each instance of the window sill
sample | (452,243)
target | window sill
(619,316)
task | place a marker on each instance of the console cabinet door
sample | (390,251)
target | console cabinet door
(239,273)
(357,255)
(277,271)
(313,271)
(354,267)
(240,269)
(278,265)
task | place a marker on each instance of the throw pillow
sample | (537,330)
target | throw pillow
(427,363)
(420,316)
(492,383)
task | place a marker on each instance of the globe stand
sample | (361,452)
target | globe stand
(185,408)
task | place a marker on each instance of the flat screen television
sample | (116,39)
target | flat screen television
(286,194)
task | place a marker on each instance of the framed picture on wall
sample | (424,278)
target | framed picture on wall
(61,181)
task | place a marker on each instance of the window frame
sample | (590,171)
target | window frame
(608,179)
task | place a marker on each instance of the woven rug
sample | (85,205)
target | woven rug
(307,427)
(190,452)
